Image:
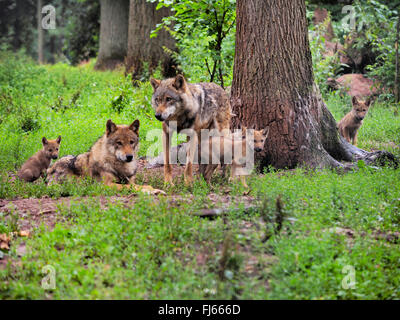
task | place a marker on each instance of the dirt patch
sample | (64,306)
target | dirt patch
(32,213)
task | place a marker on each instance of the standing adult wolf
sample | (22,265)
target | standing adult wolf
(187,107)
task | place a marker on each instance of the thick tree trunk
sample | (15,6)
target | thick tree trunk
(273,86)
(143,18)
(114,17)
(17,43)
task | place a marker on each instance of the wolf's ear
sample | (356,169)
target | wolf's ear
(44,141)
(180,82)
(135,126)
(369,101)
(58,139)
(265,132)
(155,83)
(354,101)
(111,127)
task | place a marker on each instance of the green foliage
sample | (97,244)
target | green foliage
(82,30)
(37,101)
(75,38)
(160,250)
(324,66)
(204,31)
(376,27)
(17,26)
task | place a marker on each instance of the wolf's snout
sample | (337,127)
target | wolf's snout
(257,149)
(129,158)
(159,117)
(55,157)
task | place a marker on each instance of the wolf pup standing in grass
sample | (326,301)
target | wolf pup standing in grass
(112,159)
(230,150)
(350,124)
(36,165)
(192,107)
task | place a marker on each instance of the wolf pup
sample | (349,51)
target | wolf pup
(192,107)
(36,165)
(350,124)
(110,160)
(225,150)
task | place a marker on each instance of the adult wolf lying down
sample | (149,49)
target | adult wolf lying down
(111,160)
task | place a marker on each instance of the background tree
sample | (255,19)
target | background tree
(18,25)
(114,19)
(273,86)
(82,29)
(144,51)
(40,31)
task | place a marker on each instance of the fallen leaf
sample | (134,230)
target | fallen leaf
(24,233)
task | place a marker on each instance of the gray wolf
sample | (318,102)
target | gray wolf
(231,150)
(111,160)
(350,124)
(192,108)
(37,165)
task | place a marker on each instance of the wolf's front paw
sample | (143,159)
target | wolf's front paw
(158,192)
(150,190)
(168,181)
(188,182)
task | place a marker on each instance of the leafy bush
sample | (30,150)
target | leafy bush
(324,66)
(375,27)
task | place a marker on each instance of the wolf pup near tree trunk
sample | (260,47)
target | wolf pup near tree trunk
(36,165)
(239,152)
(350,124)
(188,108)
(112,160)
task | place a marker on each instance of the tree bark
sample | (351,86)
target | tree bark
(142,50)
(40,31)
(396,80)
(114,17)
(273,86)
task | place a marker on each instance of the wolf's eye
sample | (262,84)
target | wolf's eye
(119,143)
(168,99)
(132,142)
(50,150)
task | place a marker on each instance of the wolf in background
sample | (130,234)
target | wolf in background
(350,124)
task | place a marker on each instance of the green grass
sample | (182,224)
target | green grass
(161,249)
